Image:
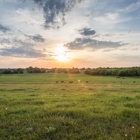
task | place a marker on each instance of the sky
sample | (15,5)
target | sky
(69,33)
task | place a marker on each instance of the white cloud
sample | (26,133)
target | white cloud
(31,17)
(110,19)
(112,16)
(131,7)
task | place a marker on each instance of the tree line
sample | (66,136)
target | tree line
(21,70)
(39,70)
(132,71)
(64,70)
(12,71)
(35,70)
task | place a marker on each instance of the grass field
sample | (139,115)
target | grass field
(35,107)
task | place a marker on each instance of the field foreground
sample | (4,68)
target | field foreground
(36,107)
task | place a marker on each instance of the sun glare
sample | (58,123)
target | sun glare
(61,54)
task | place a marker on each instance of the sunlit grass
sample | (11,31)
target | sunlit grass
(34,106)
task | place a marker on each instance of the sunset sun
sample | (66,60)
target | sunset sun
(61,54)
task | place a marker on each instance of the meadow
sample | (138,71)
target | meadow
(35,107)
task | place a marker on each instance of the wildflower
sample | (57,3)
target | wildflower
(29,129)
(6,108)
(50,129)
(125,135)
(133,127)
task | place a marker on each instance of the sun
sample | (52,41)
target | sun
(61,54)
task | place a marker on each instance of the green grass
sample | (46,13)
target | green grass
(35,107)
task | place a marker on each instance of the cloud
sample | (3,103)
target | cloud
(17,42)
(127,58)
(21,52)
(30,17)
(87,31)
(81,43)
(55,11)
(37,38)
(22,47)
(111,19)
(5,41)
(132,7)
(4,29)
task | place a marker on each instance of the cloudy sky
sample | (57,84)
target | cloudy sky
(69,33)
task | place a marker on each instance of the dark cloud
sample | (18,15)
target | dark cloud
(17,42)
(4,29)
(5,41)
(22,48)
(87,31)
(21,52)
(81,43)
(55,11)
(37,38)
